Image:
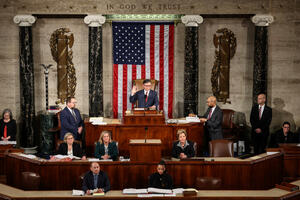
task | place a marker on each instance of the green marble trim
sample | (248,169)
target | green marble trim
(143,17)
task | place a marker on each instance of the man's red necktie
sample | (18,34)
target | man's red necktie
(209,115)
(146,96)
(259,112)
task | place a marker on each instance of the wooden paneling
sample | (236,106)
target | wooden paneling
(145,150)
(261,173)
(291,160)
(123,133)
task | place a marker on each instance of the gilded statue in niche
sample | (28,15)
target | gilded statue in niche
(225,44)
(61,43)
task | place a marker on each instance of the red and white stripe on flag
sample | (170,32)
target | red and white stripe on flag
(159,64)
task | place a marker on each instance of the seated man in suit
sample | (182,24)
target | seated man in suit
(70,148)
(183,148)
(146,98)
(161,179)
(95,181)
(70,119)
(284,135)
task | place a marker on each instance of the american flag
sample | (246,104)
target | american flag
(142,50)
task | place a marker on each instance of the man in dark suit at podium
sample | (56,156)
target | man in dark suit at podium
(146,98)
(71,120)
(213,119)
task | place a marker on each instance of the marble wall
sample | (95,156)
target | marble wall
(241,65)
(284,57)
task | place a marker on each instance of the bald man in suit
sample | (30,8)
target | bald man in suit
(213,119)
(260,119)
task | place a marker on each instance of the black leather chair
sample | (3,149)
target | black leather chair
(30,181)
(208,183)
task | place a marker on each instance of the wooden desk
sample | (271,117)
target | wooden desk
(259,172)
(144,117)
(145,150)
(122,133)
(5,149)
(8,192)
(291,160)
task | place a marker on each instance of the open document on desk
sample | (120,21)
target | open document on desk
(152,190)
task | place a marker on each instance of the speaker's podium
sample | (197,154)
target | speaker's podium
(142,116)
(144,150)
(148,150)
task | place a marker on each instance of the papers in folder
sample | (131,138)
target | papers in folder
(97,121)
(77,192)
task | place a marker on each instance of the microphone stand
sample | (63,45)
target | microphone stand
(146,129)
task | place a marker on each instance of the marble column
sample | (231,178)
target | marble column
(191,63)
(26,80)
(260,68)
(95,64)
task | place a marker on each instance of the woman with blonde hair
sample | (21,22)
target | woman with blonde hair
(183,148)
(70,148)
(106,148)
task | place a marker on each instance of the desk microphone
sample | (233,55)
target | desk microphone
(146,129)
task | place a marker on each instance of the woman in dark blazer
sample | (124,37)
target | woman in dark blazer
(161,179)
(183,148)
(70,148)
(106,148)
(8,126)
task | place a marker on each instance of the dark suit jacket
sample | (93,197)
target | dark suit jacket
(112,150)
(189,150)
(264,122)
(103,181)
(11,129)
(163,181)
(278,137)
(69,124)
(63,149)
(214,124)
(140,97)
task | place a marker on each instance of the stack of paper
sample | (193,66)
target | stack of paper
(192,119)
(97,121)
(28,156)
(77,192)
(93,159)
(134,191)
(7,142)
(59,156)
(159,191)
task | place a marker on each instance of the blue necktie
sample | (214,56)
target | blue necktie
(95,181)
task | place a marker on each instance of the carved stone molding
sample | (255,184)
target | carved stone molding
(24,20)
(262,20)
(192,20)
(94,20)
